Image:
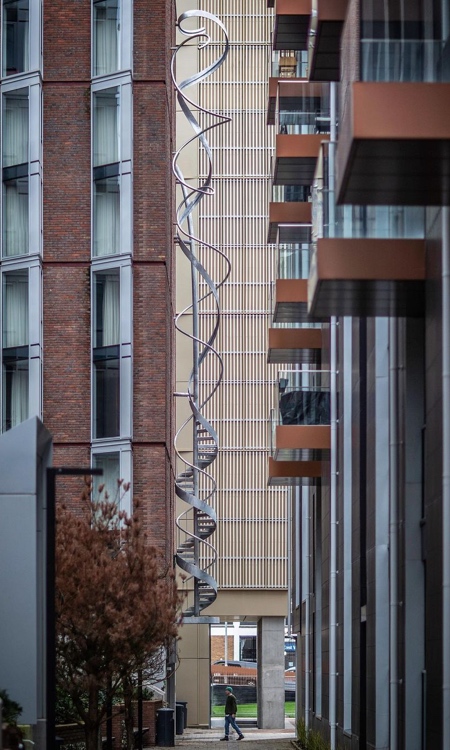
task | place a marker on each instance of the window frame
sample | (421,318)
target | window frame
(34,165)
(35,349)
(123,265)
(125,42)
(122,169)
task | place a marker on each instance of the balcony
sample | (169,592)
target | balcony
(293,473)
(290,304)
(324,50)
(394,144)
(291,26)
(300,427)
(295,158)
(298,106)
(367,277)
(289,222)
(294,346)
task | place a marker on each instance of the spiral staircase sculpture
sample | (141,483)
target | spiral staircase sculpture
(194,483)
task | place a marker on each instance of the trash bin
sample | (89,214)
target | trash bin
(184,704)
(179,718)
(165,734)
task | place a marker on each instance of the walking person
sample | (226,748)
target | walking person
(230,715)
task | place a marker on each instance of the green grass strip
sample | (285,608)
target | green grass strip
(248,710)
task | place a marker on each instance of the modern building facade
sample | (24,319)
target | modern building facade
(87,275)
(362,430)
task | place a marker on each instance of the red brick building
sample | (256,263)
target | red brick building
(86,228)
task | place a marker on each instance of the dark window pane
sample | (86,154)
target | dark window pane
(15,37)
(107,393)
(107,305)
(15,387)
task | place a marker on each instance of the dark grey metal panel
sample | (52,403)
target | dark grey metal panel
(25,452)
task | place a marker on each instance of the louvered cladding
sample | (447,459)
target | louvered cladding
(251,536)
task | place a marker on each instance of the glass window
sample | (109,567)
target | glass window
(106,213)
(15,58)
(15,128)
(106,130)
(15,217)
(106,354)
(106,216)
(110,463)
(15,349)
(106,37)
(15,142)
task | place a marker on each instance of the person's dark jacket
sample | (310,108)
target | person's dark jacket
(230,705)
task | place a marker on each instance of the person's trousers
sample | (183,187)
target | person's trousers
(229,719)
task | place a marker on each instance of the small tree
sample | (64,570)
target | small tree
(116,605)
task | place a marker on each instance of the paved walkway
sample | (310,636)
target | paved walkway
(255,739)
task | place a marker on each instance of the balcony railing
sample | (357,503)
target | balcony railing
(293,261)
(289,64)
(350,221)
(303,122)
(304,397)
(291,193)
(304,400)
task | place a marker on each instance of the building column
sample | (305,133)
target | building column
(271,673)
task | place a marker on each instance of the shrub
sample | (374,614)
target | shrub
(309,739)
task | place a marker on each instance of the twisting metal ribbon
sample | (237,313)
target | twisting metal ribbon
(194,484)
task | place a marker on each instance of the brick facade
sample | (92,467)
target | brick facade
(67,183)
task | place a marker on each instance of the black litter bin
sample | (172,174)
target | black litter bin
(179,718)
(184,704)
(165,728)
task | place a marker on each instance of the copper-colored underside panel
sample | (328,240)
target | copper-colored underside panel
(296,214)
(291,24)
(302,442)
(367,277)
(291,290)
(395,148)
(301,88)
(291,473)
(291,301)
(332,10)
(294,346)
(296,158)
